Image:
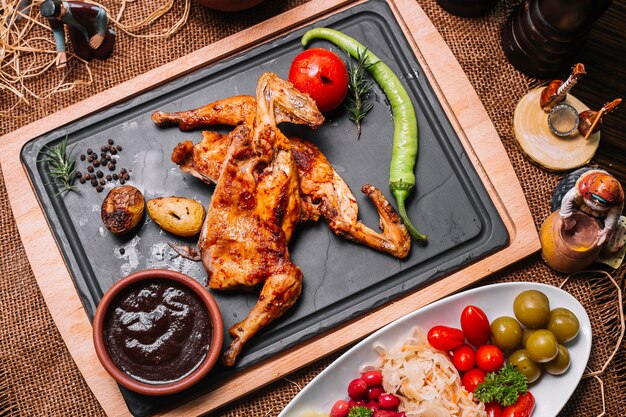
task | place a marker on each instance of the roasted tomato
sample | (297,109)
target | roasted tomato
(322,75)
(445,338)
(489,358)
(475,325)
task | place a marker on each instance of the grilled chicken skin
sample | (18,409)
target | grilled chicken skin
(323,192)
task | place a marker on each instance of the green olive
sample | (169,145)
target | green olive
(526,332)
(542,346)
(532,309)
(530,369)
(506,333)
(560,364)
(563,324)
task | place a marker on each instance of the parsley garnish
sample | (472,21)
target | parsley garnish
(360,411)
(505,386)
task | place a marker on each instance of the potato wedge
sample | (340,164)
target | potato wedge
(178,215)
(122,209)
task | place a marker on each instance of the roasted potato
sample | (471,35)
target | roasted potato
(177,215)
(122,209)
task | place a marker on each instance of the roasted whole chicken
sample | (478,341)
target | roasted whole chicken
(266,184)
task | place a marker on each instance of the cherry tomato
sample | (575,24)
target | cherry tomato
(322,75)
(475,325)
(357,389)
(494,410)
(373,405)
(400,414)
(464,358)
(522,408)
(385,413)
(373,378)
(374,392)
(340,409)
(388,401)
(445,338)
(489,358)
(472,379)
(356,403)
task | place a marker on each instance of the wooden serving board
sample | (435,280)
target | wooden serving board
(461,105)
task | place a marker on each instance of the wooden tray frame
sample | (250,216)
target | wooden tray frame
(462,106)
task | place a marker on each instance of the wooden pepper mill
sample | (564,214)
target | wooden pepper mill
(557,90)
(590,121)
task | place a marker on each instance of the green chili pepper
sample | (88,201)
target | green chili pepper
(401,176)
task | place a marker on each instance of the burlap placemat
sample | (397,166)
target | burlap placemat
(37,374)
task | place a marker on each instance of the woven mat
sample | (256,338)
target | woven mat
(37,374)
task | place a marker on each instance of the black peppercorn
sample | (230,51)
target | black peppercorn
(102,182)
(99,174)
(82,180)
(99,188)
(122,251)
(113,151)
(115,176)
(94,182)
(87,176)
(82,157)
(89,151)
(107,157)
(103,148)
(123,171)
(111,166)
(96,163)
(108,177)
(122,181)
(78,174)
(119,148)
(90,168)
(110,141)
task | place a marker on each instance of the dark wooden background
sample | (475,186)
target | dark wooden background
(604,56)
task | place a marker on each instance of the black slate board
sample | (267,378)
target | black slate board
(342,279)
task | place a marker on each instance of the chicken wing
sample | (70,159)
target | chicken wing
(323,192)
(255,208)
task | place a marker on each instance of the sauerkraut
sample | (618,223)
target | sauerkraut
(425,380)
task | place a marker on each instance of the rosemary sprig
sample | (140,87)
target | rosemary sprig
(61,166)
(358,90)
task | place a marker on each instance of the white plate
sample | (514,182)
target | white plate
(551,392)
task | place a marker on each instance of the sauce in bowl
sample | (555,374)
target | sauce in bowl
(157,331)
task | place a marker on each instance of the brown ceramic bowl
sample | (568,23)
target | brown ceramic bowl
(215,347)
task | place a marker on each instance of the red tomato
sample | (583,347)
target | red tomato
(401,414)
(322,75)
(464,358)
(489,358)
(445,338)
(373,405)
(472,379)
(385,413)
(475,325)
(522,408)
(373,378)
(340,409)
(357,389)
(374,392)
(494,410)
(388,401)
(356,403)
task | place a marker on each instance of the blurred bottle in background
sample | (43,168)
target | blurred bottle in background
(543,37)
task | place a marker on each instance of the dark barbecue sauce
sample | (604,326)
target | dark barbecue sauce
(157,331)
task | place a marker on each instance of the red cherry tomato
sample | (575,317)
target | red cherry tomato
(357,389)
(464,358)
(494,410)
(373,378)
(400,414)
(388,401)
(522,408)
(373,405)
(475,325)
(322,75)
(445,338)
(489,358)
(356,403)
(472,379)
(340,409)
(374,393)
